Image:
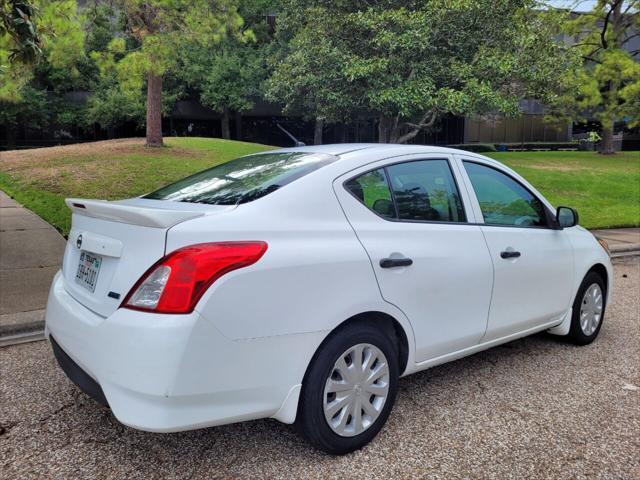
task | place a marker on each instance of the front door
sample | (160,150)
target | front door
(533,262)
(429,259)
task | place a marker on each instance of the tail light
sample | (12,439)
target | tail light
(176,282)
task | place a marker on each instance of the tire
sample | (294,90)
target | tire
(589,287)
(375,345)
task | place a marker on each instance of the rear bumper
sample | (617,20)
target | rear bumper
(78,376)
(166,373)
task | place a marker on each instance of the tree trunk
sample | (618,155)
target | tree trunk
(610,94)
(317,131)
(606,144)
(425,123)
(344,133)
(11,137)
(238,119)
(410,135)
(385,127)
(154,110)
(611,98)
(224,124)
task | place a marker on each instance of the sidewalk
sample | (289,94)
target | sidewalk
(30,254)
(620,240)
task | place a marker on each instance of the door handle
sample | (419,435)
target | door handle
(395,262)
(509,254)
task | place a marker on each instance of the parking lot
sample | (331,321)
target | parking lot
(534,408)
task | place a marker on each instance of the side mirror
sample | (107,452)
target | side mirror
(566,217)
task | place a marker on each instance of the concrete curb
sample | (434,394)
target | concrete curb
(24,337)
(631,247)
(625,250)
(21,322)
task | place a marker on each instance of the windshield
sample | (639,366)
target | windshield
(244,179)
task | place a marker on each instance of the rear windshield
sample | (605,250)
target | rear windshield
(244,179)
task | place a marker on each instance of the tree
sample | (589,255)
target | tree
(307,80)
(36,39)
(408,63)
(31,30)
(117,86)
(31,110)
(228,74)
(232,81)
(605,82)
(160,28)
(18,27)
(117,90)
(306,76)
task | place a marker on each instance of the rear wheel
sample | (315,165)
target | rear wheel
(588,310)
(349,389)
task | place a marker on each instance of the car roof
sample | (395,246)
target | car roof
(352,156)
(344,148)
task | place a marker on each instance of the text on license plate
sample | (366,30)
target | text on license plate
(88,270)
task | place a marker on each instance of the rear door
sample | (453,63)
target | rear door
(428,257)
(533,262)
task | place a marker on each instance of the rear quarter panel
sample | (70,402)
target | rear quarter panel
(314,275)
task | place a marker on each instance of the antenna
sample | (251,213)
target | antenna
(296,142)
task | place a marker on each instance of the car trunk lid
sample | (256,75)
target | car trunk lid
(111,244)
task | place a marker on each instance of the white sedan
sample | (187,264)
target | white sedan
(300,284)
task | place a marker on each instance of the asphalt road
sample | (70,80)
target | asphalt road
(534,408)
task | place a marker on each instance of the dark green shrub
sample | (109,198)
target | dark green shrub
(475,147)
(542,146)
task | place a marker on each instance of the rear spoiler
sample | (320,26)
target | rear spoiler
(134,215)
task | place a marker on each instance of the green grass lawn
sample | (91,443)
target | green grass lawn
(604,190)
(41,179)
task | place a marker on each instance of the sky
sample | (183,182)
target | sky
(577,5)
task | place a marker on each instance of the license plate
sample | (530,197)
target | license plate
(88,270)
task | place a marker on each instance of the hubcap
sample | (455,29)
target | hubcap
(591,309)
(356,390)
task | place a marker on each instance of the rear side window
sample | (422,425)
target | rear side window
(423,190)
(503,200)
(426,190)
(372,189)
(244,179)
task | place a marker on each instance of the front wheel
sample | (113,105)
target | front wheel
(349,389)
(588,310)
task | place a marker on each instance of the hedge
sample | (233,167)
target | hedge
(539,145)
(503,147)
(475,147)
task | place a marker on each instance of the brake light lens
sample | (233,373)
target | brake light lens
(176,282)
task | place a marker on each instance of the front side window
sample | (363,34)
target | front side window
(244,179)
(423,190)
(503,200)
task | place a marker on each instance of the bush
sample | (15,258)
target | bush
(504,147)
(542,146)
(475,147)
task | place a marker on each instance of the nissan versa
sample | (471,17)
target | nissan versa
(299,284)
